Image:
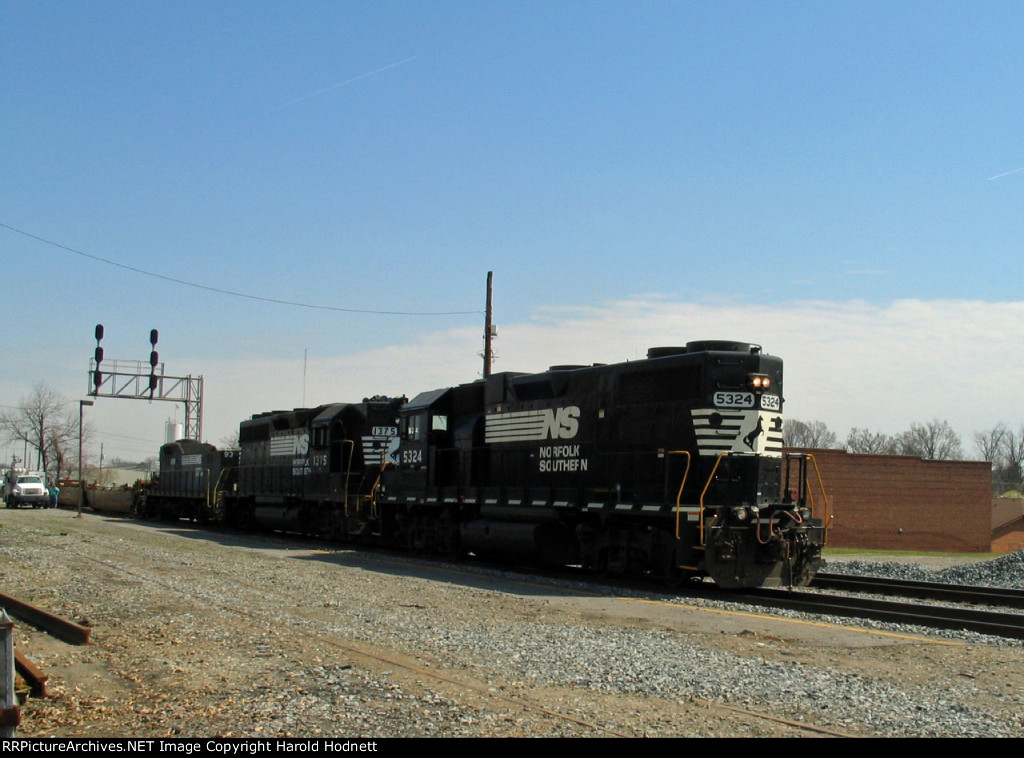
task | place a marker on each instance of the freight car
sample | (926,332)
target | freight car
(670,466)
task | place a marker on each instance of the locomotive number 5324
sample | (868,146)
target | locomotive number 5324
(734,399)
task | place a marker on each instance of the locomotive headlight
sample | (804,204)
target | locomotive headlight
(760,381)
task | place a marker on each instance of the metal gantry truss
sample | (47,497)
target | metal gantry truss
(130,380)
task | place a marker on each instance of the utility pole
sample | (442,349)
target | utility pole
(81,479)
(489,330)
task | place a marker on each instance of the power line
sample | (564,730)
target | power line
(220,291)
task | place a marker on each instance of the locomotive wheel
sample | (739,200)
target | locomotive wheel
(672,575)
(450,537)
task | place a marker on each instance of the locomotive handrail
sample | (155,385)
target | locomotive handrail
(679,495)
(372,497)
(348,469)
(824,498)
(206,478)
(707,486)
(805,492)
(216,489)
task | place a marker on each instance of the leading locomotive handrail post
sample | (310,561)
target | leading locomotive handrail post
(679,495)
(707,486)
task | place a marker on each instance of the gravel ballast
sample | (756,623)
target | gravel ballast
(1004,571)
(205,634)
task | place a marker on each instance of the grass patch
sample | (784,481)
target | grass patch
(881,555)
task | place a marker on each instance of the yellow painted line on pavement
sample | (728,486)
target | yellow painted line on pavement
(763,616)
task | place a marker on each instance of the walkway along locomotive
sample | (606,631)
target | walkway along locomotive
(669,466)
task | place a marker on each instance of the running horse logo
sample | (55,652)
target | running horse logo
(754,433)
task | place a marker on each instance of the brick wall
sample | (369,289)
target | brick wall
(897,502)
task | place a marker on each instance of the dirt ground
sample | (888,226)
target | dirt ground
(204,634)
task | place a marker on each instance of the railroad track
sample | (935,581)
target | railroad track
(998,623)
(831,601)
(1002,597)
(983,621)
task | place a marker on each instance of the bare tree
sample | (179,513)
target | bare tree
(866,441)
(230,441)
(989,444)
(935,440)
(1004,448)
(808,434)
(1013,454)
(1008,463)
(41,420)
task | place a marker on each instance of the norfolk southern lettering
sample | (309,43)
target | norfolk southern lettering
(527,426)
(558,458)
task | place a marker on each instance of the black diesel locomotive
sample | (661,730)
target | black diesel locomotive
(670,466)
(194,479)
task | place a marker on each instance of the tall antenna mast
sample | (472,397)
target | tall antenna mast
(489,330)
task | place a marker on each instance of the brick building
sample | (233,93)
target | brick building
(899,502)
(1007,524)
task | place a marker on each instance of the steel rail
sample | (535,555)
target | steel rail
(997,623)
(67,630)
(31,673)
(1005,597)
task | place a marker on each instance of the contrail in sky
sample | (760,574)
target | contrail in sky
(349,81)
(1000,176)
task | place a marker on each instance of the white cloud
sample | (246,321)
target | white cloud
(848,364)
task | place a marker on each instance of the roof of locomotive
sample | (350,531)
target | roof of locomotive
(188,447)
(655,353)
(426,399)
(320,412)
(522,380)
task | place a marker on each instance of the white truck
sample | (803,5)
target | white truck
(25,488)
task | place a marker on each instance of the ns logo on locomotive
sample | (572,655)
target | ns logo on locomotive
(670,466)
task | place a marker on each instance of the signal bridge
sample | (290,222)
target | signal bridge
(137,380)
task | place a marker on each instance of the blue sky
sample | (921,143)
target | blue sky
(838,181)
